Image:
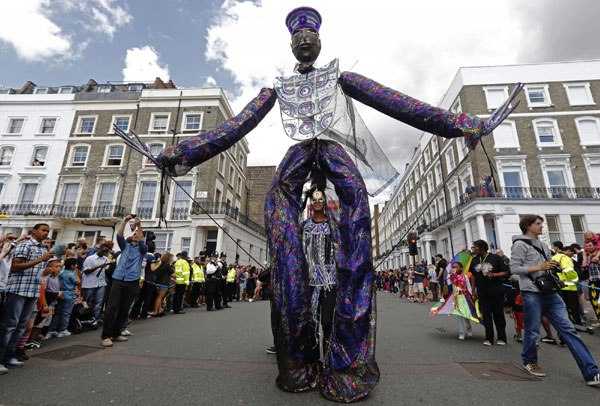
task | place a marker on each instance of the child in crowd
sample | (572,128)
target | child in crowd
(515,303)
(69,281)
(595,239)
(459,303)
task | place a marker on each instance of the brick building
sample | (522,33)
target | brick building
(259,182)
(545,159)
(101,179)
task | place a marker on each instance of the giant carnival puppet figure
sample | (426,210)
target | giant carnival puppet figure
(317,110)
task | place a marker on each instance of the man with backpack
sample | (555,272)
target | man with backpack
(531,260)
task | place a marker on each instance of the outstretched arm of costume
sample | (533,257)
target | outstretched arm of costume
(422,115)
(179,159)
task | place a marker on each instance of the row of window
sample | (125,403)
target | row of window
(38,157)
(547,133)
(138,87)
(538,95)
(46,126)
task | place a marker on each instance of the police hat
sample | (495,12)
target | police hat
(223,255)
(215,254)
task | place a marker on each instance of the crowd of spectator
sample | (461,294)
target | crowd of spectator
(51,290)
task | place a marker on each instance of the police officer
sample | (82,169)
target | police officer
(213,276)
(222,264)
(182,280)
(231,284)
(197,280)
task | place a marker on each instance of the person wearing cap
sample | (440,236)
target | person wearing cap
(222,264)
(182,280)
(317,110)
(213,276)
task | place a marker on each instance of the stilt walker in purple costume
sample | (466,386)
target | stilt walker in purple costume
(316,109)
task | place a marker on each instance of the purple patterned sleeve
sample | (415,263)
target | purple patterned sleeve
(181,158)
(412,111)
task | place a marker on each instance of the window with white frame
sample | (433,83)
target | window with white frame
(86,125)
(121,122)
(47,125)
(589,130)
(70,192)
(155,150)
(438,173)
(6,155)
(538,96)
(181,201)
(15,126)
(553,227)
(163,241)
(79,155)
(135,88)
(239,185)
(159,122)
(231,175)
(39,156)
(421,167)
(114,157)
(592,165)
(461,148)
(241,162)
(456,108)
(218,195)
(28,192)
(579,228)
(505,135)
(106,195)
(579,94)
(65,90)
(513,175)
(450,164)
(192,122)
(221,164)
(419,198)
(146,200)
(434,145)
(495,96)
(104,89)
(557,174)
(430,182)
(40,90)
(426,156)
(547,133)
(185,244)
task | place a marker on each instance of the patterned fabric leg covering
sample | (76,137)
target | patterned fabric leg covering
(349,371)
(412,111)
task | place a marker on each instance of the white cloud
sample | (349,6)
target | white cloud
(25,25)
(210,82)
(30,26)
(414,47)
(143,65)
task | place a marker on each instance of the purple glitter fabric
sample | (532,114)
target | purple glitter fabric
(179,159)
(412,111)
(349,369)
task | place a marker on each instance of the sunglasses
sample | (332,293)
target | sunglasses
(319,201)
(11,238)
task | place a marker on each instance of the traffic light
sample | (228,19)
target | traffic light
(412,244)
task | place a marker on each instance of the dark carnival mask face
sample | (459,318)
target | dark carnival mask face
(306,45)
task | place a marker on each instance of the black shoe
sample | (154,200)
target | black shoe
(219,308)
(20,355)
(180,312)
(211,310)
(227,307)
(271,350)
(549,340)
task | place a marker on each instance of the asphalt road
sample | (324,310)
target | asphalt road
(218,358)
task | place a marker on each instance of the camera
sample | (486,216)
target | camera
(133,216)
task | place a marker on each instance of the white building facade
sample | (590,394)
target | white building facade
(544,159)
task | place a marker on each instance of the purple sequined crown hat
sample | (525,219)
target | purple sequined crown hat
(303,17)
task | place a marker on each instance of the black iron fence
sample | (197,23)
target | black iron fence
(222,208)
(63,211)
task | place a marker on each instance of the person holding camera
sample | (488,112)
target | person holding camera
(531,260)
(125,282)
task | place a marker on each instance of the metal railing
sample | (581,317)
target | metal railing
(228,210)
(63,211)
(516,193)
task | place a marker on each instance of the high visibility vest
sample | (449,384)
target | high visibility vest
(182,272)
(231,275)
(197,273)
(568,275)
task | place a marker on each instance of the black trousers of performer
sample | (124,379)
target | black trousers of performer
(121,297)
(327,300)
(571,299)
(213,294)
(231,286)
(178,297)
(195,293)
(492,311)
(224,293)
(144,301)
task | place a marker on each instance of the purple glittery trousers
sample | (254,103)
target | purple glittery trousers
(349,370)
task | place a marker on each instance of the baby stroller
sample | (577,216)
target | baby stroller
(82,317)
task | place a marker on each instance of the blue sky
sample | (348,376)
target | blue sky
(241,46)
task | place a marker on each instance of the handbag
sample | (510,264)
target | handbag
(547,283)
